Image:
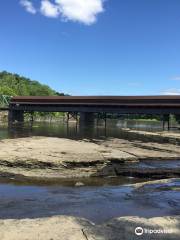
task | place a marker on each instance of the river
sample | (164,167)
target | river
(97,199)
(73,130)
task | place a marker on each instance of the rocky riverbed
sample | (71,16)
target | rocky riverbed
(70,228)
(158,198)
(64,158)
(66,214)
(158,136)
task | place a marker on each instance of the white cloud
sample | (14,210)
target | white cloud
(49,9)
(84,11)
(28,5)
(172,91)
(177,78)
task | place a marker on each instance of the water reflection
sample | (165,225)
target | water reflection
(74,131)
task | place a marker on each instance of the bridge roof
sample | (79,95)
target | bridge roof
(162,100)
(37,98)
(124,104)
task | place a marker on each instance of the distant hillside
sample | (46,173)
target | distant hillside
(15,85)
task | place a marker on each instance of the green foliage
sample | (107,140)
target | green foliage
(177,118)
(5,90)
(145,117)
(137,117)
(15,85)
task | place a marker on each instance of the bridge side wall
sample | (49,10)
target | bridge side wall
(96,109)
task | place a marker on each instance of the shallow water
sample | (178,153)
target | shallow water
(163,164)
(69,182)
(97,204)
(72,130)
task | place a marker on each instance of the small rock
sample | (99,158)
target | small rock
(79,184)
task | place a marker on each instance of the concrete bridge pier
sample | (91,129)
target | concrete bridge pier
(15,116)
(166,119)
(86,119)
(86,124)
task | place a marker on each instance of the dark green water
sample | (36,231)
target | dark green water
(72,130)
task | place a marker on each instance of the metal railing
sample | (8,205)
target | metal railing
(4,101)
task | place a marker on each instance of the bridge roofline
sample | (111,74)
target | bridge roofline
(150,97)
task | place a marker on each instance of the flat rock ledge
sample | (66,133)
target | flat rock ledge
(71,228)
(62,158)
(162,136)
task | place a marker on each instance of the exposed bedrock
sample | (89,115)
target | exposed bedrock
(64,228)
(55,157)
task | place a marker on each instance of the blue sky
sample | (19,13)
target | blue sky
(94,47)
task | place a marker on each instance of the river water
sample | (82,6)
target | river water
(99,199)
(96,203)
(72,130)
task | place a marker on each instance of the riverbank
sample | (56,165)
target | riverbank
(70,213)
(71,228)
(3,116)
(64,158)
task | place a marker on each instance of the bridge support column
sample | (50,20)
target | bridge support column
(86,119)
(15,115)
(86,124)
(166,119)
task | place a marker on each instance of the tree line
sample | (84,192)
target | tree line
(16,85)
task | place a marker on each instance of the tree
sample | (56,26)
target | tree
(13,84)
(4,90)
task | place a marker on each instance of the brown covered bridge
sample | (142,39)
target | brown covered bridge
(87,105)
